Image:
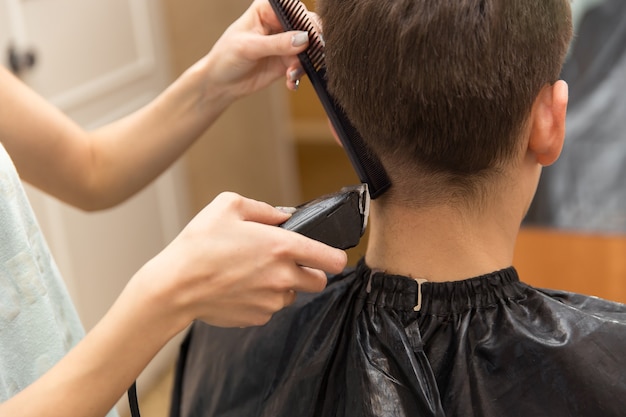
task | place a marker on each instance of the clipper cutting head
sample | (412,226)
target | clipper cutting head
(338,219)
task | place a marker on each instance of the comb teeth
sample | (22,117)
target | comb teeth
(293,16)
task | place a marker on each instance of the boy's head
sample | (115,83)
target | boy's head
(442,90)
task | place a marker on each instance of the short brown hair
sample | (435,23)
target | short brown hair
(443,86)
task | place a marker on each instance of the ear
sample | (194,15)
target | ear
(547,123)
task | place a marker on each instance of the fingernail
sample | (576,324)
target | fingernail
(286,210)
(295,74)
(300,38)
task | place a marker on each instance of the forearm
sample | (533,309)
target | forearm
(94,375)
(130,153)
(95,170)
(230,266)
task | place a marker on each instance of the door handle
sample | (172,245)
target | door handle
(19,61)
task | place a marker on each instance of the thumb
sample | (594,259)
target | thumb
(260,212)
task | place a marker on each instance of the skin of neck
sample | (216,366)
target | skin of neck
(452,242)
(446,242)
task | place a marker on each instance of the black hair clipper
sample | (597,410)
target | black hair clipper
(337,219)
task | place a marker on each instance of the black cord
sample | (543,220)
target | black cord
(132,400)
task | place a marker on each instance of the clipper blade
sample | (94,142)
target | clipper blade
(338,219)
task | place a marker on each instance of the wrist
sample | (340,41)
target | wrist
(158,300)
(210,93)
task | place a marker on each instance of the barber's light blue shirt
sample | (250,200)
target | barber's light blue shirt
(38,322)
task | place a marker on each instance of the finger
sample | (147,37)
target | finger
(288,210)
(248,209)
(292,85)
(309,280)
(281,44)
(290,297)
(294,74)
(317,255)
(268,16)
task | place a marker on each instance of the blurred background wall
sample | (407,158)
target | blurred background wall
(574,234)
(585,190)
(249,150)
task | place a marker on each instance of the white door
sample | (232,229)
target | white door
(97,60)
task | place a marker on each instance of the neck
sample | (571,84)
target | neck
(443,243)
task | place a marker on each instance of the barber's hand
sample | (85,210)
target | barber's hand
(232,267)
(254,51)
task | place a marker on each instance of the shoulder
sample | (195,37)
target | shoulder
(582,304)
(246,363)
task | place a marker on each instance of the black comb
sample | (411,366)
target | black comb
(293,16)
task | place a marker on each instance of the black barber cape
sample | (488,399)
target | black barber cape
(487,346)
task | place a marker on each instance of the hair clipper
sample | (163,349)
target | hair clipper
(337,219)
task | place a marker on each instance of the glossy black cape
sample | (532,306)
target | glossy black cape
(488,346)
